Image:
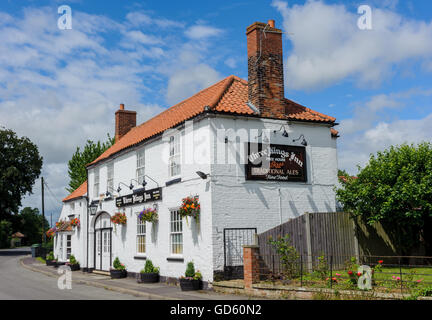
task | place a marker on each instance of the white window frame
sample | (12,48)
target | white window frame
(141,237)
(176,233)
(110,177)
(96,183)
(60,257)
(174,161)
(68,245)
(140,166)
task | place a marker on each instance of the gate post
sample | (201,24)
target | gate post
(251,265)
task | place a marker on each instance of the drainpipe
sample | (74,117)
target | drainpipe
(280,205)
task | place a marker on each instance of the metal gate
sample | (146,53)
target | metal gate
(234,240)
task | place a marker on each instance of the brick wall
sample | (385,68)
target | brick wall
(265,69)
(125,120)
(251,265)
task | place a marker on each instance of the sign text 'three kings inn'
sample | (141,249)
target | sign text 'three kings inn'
(276,162)
(140,196)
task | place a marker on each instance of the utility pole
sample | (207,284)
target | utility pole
(43,213)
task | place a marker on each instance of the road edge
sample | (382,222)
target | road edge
(103,286)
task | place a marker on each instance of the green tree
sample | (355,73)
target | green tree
(5,233)
(395,189)
(32,224)
(77,165)
(20,166)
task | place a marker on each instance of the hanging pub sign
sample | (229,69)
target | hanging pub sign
(138,197)
(275,162)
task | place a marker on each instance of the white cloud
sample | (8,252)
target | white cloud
(327,45)
(198,32)
(186,82)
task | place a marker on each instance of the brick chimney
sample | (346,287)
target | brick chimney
(124,121)
(265,68)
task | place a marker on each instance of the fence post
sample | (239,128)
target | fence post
(251,265)
(308,242)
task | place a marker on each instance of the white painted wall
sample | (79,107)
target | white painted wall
(227,199)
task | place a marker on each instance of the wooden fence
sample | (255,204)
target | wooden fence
(314,235)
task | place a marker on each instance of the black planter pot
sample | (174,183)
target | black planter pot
(58,264)
(190,285)
(50,262)
(118,274)
(74,267)
(149,277)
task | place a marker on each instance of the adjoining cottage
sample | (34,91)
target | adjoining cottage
(249,157)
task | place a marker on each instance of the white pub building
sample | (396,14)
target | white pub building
(252,158)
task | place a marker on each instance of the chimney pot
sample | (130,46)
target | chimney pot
(271,23)
(121,106)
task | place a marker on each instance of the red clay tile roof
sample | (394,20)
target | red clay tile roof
(229,95)
(79,192)
(334,133)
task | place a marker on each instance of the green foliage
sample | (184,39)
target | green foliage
(73,260)
(77,165)
(118,265)
(32,224)
(50,256)
(288,255)
(5,233)
(190,270)
(149,268)
(322,269)
(20,166)
(394,189)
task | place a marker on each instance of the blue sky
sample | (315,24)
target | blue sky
(60,87)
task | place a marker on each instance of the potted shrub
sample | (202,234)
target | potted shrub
(150,273)
(119,270)
(73,263)
(191,280)
(50,260)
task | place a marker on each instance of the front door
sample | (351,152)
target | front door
(103,243)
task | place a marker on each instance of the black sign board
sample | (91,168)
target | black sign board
(275,162)
(139,197)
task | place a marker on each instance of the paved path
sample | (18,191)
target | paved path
(18,283)
(23,277)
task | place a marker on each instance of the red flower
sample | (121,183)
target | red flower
(380,261)
(359,274)
(350,273)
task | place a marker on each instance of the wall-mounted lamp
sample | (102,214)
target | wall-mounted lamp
(107,193)
(202,175)
(144,183)
(284,133)
(93,209)
(119,189)
(265,139)
(304,142)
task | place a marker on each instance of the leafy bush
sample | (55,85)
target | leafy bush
(50,256)
(288,255)
(73,260)
(118,265)
(190,270)
(149,268)
(322,269)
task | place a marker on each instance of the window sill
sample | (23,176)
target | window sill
(140,257)
(173,181)
(175,259)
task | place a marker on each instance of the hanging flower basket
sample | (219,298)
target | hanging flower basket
(51,232)
(75,222)
(119,218)
(190,208)
(61,225)
(149,215)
